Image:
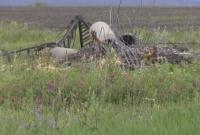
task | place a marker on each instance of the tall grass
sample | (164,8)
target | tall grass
(15,36)
(94,98)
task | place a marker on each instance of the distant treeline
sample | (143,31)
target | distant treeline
(40,4)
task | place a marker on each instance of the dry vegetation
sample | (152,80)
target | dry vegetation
(59,17)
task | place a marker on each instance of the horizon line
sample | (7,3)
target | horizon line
(138,6)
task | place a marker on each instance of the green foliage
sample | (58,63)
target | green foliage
(95,98)
(164,36)
(15,36)
(110,120)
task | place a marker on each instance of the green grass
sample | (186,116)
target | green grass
(105,119)
(89,99)
(164,36)
(15,36)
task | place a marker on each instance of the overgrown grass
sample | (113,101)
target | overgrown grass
(15,36)
(94,98)
(109,120)
(160,35)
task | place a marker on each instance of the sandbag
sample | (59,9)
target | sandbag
(60,53)
(103,31)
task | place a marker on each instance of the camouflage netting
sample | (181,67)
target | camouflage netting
(134,57)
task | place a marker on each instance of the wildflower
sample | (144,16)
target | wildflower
(126,75)
(13,99)
(3,67)
(81,83)
(1,100)
(51,85)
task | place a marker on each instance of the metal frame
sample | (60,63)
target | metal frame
(66,41)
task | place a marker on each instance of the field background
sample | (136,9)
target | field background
(59,17)
(39,97)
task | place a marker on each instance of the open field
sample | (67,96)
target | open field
(59,17)
(38,97)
